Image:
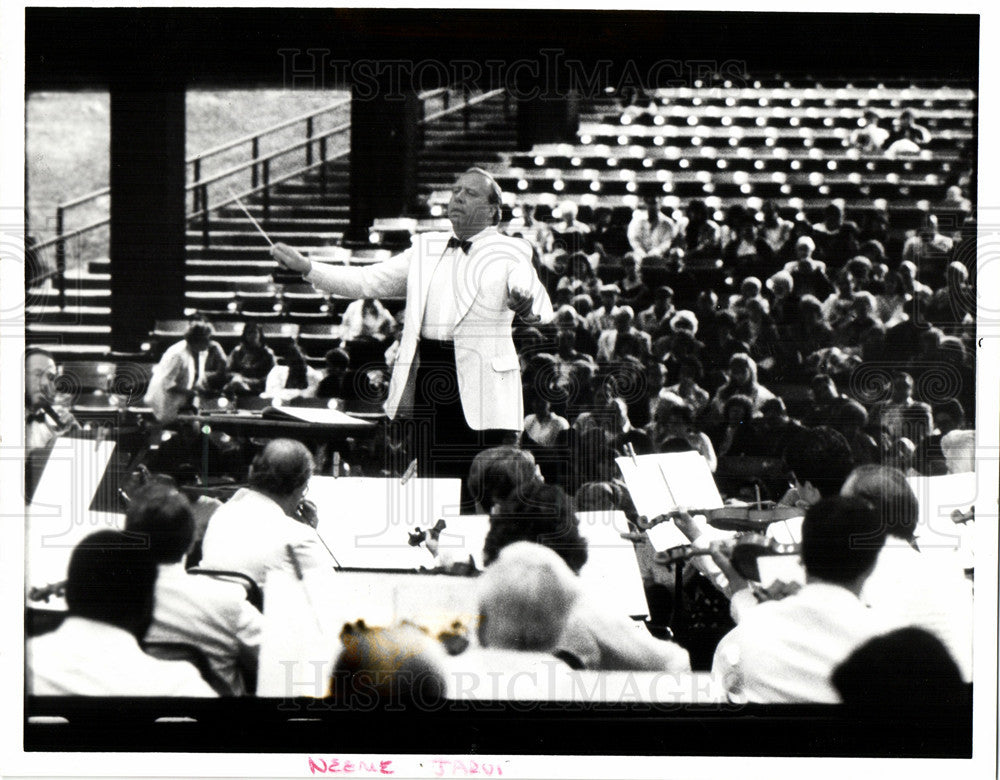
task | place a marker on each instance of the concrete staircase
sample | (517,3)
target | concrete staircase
(308,212)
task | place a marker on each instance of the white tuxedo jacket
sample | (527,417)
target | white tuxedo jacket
(489,377)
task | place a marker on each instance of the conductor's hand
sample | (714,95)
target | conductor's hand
(291,258)
(519,302)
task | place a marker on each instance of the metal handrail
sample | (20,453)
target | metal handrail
(195,160)
(257,164)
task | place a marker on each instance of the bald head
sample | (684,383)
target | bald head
(282,469)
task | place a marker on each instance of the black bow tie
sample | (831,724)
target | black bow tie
(455,243)
(38,416)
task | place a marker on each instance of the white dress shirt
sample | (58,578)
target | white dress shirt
(213,615)
(250,534)
(785,651)
(441,310)
(85,657)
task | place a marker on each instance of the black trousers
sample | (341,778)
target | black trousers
(437,434)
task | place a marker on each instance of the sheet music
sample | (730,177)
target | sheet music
(316,416)
(612,570)
(366,521)
(673,480)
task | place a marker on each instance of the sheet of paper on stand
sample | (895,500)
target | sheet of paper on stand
(303,619)
(786,531)
(58,518)
(611,573)
(366,522)
(463,537)
(673,480)
(313,415)
(939,499)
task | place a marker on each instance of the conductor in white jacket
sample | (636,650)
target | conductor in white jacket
(457,374)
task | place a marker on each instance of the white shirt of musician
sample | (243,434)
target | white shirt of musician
(785,651)
(85,657)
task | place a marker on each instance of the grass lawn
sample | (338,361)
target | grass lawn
(67,138)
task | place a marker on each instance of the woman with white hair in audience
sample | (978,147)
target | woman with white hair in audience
(742,380)
(911,582)
(959,449)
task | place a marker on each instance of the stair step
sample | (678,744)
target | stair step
(251,237)
(37,332)
(227,226)
(63,353)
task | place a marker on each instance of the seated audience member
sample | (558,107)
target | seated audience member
(785,651)
(530,601)
(783,304)
(96,652)
(742,381)
(819,461)
(689,374)
(902,415)
(808,274)
(774,430)
(908,583)
(623,340)
(656,319)
(861,323)
(337,383)
(634,291)
(697,234)
(734,435)
(826,401)
(907,137)
(839,305)
(929,458)
(253,531)
(249,363)
(602,318)
(774,230)
(811,333)
(902,674)
(292,377)
(187,367)
(366,319)
(498,473)
(750,289)
(673,421)
(928,252)
(543,426)
(398,667)
(747,251)
(651,232)
(209,614)
(622,436)
(869,137)
(850,419)
(959,449)
(568,222)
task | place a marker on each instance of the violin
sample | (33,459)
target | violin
(752,518)
(45,592)
(746,549)
(958,517)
